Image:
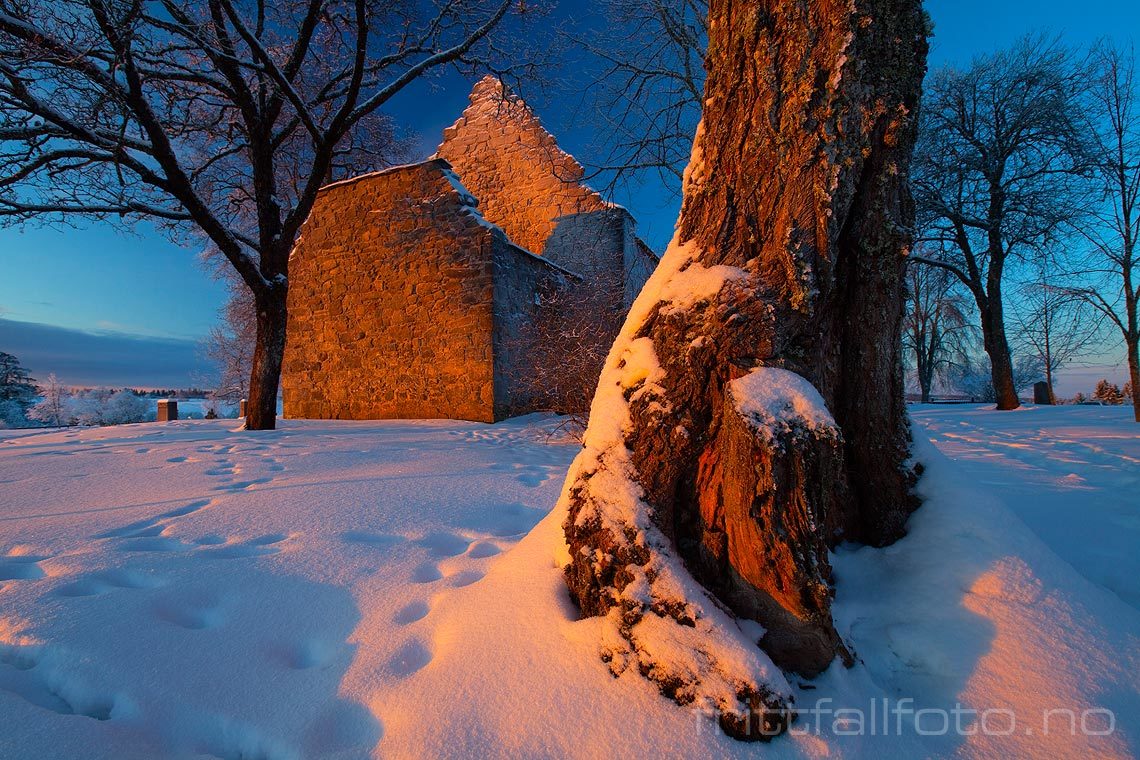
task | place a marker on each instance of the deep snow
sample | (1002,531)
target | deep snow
(392,589)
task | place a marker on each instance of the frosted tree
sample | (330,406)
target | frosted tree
(750,414)
(937,332)
(51,409)
(105,407)
(230,346)
(1108,393)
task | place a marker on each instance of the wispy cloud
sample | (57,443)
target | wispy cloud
(104,357)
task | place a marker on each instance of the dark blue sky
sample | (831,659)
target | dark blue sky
(141,286)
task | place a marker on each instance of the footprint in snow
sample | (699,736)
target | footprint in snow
(465,578)
(160,544)
(153,526)
(229,739)
(426,573)
(34,673)
(483,549)
(255,547)
(96,584)
(444,544)
(21,567)
(243,485)
(409,658)
(193,611)
(417,610)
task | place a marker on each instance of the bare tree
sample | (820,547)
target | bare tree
(562,351)
(1114,124)
(646,93)
(995,175)
(216,117)
(1054,325)
(230,345)
(937,329)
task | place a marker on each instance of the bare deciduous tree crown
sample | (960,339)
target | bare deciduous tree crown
(221,118)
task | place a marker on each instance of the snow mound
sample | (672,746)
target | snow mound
(775,399)
(395,590)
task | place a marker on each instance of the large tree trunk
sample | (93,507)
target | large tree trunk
(265,378)
(996,343)
(925,368)
(751,413)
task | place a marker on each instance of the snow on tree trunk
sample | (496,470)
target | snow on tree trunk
(750,414)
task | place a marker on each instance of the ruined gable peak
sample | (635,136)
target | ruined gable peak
(490,86)
(524,182)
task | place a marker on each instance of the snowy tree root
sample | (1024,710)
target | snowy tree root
(740,491)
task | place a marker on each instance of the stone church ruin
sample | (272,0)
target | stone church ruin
(421,291)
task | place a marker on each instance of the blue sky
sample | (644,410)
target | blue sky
(100,280)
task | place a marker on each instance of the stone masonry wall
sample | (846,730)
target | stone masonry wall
(391,301)
(523,180)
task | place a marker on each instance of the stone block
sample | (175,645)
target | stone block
(167,410)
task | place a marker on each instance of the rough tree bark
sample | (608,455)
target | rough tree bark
(996,342)
(269,350)
(751,413)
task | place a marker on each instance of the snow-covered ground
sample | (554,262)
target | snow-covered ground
(392,589)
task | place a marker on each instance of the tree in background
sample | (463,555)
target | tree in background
(996,175)
(1114,125)
(230,346)
(218,118)
(1054,325)
(973,377)
(1108,393)
(647,94)
(937,331)
(17,392)
(51,409)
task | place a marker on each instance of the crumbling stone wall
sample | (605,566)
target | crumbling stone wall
(409,298)
(523,180)
(391,301)
(402,301)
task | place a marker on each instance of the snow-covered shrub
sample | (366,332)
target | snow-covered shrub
(125,407)
(13,414)
(51,409)
(104,407)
